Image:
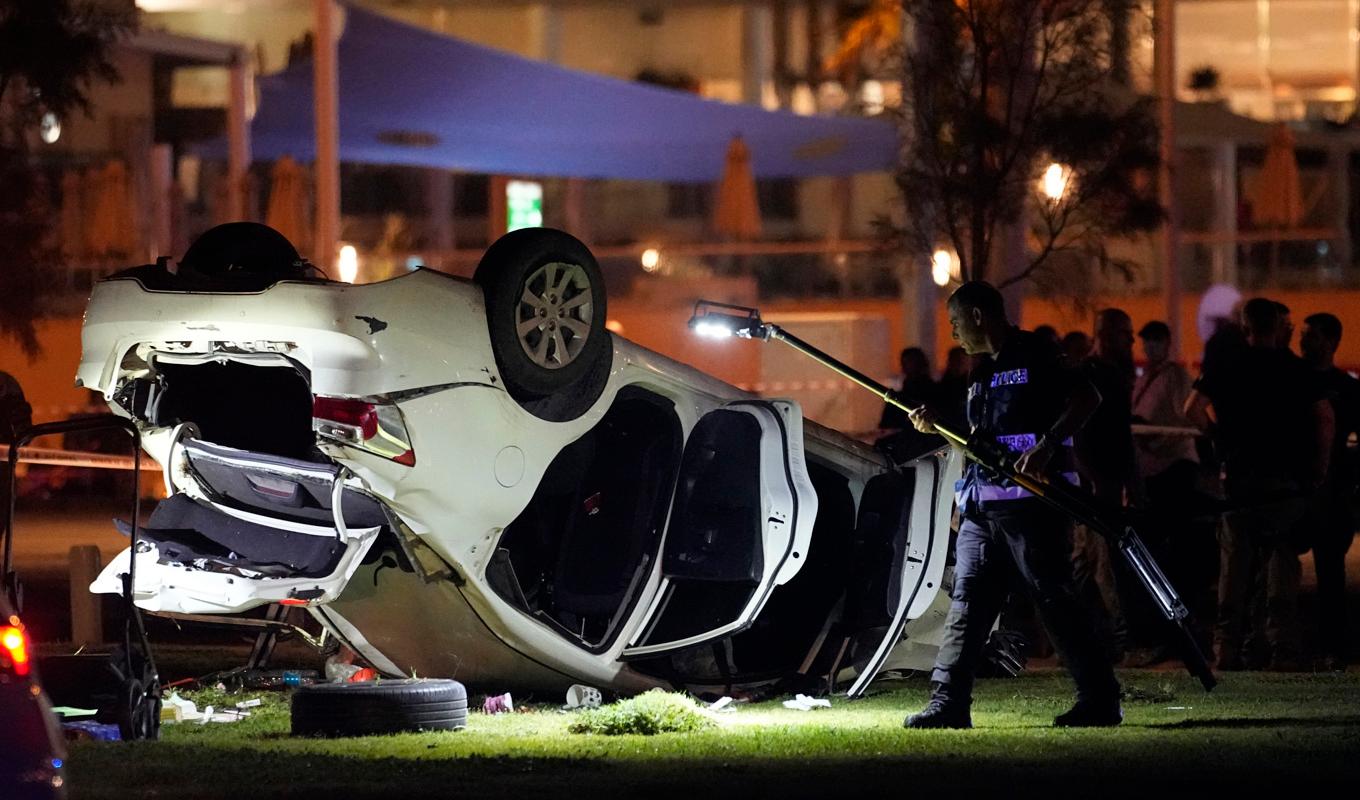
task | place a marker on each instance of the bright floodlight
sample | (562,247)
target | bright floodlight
(349,263)
(50,131)
(712,330)
(651,259)
(941,267)
(1054,182)
(723,321)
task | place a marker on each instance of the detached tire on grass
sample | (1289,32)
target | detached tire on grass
(377,707)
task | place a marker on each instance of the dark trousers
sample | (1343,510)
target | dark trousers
(1257,551)
(1029,540)
(1185,543)
(1331,540)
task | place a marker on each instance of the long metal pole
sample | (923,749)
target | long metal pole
(1068,499)
(325,87)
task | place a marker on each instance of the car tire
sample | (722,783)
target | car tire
(236,249)
(546,276)
(378,707)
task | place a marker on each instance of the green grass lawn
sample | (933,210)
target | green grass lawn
(1253,731)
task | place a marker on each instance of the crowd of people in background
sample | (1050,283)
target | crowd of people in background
(1236,472)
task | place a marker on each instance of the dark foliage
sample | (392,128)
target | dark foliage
(51,53)
(994,92)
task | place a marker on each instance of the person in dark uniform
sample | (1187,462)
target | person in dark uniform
(1105,461)
(1275,430)
(1022,397)
(15,416)
(1333,515)
(915,382)
(15,413)
(952,388)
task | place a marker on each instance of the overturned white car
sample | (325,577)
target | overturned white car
(474,479)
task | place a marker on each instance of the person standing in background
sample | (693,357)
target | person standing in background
(1168,467)
(1284,338)
(1105,461)
(1076,346)
(1275,428)
(15,412)
(1335,522)
(15,416)
(952,388)
(913,383)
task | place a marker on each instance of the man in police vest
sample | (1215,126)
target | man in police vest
(1022,397)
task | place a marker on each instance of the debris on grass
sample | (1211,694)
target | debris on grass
(650,713)
(499,704)
(802,702)
(582,696)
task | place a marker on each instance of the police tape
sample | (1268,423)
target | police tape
(53,457)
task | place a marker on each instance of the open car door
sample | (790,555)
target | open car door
(243,529)
(740,524)
(907,515)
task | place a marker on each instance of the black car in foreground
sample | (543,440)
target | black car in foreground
(32,750)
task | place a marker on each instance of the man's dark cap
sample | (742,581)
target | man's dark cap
(1155,330)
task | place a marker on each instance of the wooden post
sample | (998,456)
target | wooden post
(496,220)
(918,293)
(1164,61)
(756,53)
(439,188)
(574,212)
(238,138)
(1225,212)
(325,76)
(87,622)
(1339,169)
(162,201)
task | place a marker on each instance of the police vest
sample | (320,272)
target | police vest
(1014,398)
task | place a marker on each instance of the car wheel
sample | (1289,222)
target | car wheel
(376,707)
(545,309)
(237,249)
(139,713)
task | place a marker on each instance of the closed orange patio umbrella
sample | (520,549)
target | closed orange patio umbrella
(736,215)
(113,231)
(73,216)
(288,207)
(1278,203)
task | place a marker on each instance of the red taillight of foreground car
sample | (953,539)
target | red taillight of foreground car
(370,424)
(14,653)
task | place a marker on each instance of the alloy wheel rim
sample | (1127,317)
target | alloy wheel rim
(553,314)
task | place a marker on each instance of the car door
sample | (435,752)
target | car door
(918,535)
(740,524)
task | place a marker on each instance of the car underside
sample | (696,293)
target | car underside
(377,455)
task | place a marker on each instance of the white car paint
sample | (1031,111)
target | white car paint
(480,456)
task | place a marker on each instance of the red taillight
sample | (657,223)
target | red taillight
(14,646)
(353,413)
(375,425)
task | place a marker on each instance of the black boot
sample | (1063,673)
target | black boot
(1091,714)
(940,712)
